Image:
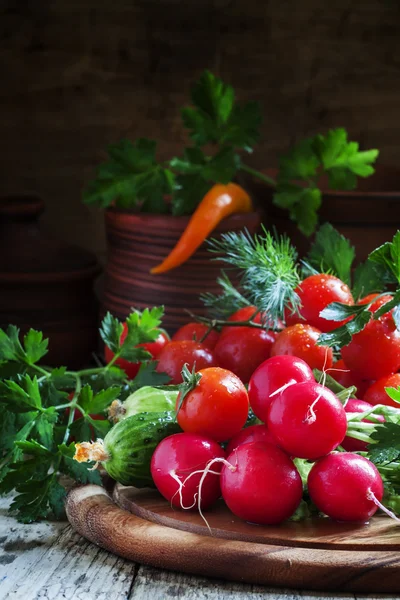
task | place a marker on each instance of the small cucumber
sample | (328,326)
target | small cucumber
(126,451)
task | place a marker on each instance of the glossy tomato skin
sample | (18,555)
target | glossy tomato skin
(376,393)
(242,349)
(195,332)
(307,420)
(378,303)
(301,341)
(374,352)
(254,433)
(178,353)
(316,292)
(270,376)
(358,406)
(339,483)
(217,407)
(342,374)
(183,454)
(131,369)
(264,487)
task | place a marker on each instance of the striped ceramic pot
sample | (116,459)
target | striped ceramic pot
(138,242)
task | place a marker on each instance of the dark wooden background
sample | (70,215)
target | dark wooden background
(78,74)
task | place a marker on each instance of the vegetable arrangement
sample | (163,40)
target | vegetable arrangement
(246,404)
(221,132)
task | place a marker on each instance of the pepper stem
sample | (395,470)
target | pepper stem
(91,451)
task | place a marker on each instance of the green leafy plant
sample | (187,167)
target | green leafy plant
(221,131)
(39,410)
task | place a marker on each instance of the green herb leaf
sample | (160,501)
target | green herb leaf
(332,253)
(35,346)
(369,277)
(34,448)
(268,268)
(227,302)
(388,255)
(36,499)
(386,447)
(336,311)
(21,398)
(142,328)
(102,400)
(393,393)
(190,190)
(10,346)
(148,376)
(131,177)
(342,335)
(101,428)
(45,426)
(215,117)
(110,331)
(80,430)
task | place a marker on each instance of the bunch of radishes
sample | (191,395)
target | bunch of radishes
(256,473)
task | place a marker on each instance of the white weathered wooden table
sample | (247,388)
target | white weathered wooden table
(50,561)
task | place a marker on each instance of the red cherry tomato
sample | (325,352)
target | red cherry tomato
(316,292)
(376,394)
(217,407)
(271,376)
(176,354)
(131,369)
(195,332)
(301,341)
(342,374)
(374,352)
(375,305)
(358,406)
(242,349)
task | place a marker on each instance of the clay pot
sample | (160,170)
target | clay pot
(138,242)
(46,284)
(368,216)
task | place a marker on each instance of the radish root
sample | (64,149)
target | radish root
(311,416)
(389,513)
(197,496)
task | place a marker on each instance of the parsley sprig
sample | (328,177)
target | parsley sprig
(222,131)
(39,407)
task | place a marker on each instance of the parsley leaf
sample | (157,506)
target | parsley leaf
(332,252)
(343,334)
(386,447)
(215,117)
(110,331)
(368,277)
(131,178)
(393,393)
(97,404)
(388,255)
(331,154)
(21,397)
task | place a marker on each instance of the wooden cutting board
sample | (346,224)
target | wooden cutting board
(317,554)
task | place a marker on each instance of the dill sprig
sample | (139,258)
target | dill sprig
(227,302)
(268,271)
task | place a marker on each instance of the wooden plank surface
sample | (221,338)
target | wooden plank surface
(49,561)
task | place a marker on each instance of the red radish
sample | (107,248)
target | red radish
(358,406)
(177,465)
(302,341)
(345,486)
(254,433)
(307,420)
(271,376)
(376,393)
(263,485)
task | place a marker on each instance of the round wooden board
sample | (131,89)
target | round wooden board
(317,555)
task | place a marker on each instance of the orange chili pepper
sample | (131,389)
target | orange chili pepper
(219,202)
